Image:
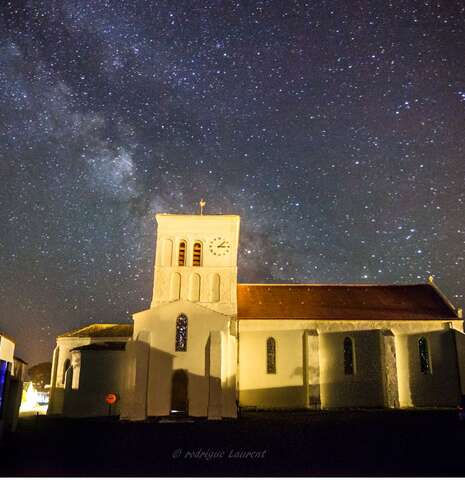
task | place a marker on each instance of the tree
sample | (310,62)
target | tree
(40,375)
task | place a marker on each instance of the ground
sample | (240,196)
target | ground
(370,442)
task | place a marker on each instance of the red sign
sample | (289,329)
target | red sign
(111,398)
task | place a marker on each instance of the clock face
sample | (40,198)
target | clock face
(219,246)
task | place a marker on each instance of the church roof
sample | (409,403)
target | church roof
(342,302)
(317,302)
(101,330)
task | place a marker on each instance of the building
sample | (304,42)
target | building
(12,372)
(208,344)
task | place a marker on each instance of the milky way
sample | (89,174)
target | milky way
(335,129)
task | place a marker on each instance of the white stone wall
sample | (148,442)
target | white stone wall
(62,353)
(66,344)
(260,389)
(203,359)
(135,379)
(326,326)
(362,389)
(7,349)
(389,368)
(312,377)
(214,283)
(460,349)
(101,372)
(438,388)
(386,364)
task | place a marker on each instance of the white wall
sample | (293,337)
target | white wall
(173,282)
(265,390)
(62,353)
(378,363)
(460,348)
(7,349)
(66,344)
(440,387)
(101,372)
(362,389)
(159,325)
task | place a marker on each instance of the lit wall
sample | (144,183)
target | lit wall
(362,389)
(440,387)
(271,390)
(158,326)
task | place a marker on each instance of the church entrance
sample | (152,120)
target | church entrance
(179,387)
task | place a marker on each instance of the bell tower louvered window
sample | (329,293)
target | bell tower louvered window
(197,255)
(182,254)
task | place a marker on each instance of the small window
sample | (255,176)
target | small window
(182,254)
(181,333)
(271,355)
(348,356)
(66,365)
(424,355)
(197,256)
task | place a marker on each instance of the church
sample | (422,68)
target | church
(208,345)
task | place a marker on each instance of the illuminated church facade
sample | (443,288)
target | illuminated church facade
(208,345)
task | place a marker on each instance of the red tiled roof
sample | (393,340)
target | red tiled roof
(343,302)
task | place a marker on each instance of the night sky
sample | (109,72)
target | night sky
(336,129)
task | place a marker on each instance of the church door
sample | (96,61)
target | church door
(179,402)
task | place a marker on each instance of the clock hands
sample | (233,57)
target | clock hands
(219,243)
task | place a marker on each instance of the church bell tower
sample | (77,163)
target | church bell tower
(196,260)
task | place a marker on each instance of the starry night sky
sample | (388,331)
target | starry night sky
(334,128)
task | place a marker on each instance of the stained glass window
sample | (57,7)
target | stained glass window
(182,254)
(424,355)
(197,256)
(181,333)
(348,356)
(271,355)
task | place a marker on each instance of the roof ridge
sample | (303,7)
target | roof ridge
(442,295)
(76,331)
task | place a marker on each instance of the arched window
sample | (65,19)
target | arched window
(348,356)
(66,365)
(197,255)
(424,355)
(181,333)
(271,355)
(182,254)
